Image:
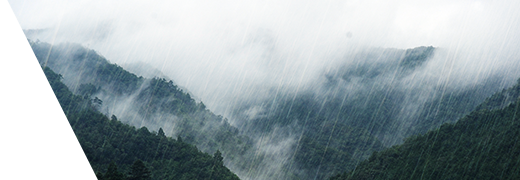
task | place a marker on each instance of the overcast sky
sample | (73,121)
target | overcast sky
(228,49)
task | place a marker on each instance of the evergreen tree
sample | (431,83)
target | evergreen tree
(482,145)
(218,159)
(139,171)
(161,133)
(112,173)
(70,126)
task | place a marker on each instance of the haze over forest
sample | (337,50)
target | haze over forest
(241,48)
(382,69)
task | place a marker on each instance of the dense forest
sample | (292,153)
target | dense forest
(154,103)
(120,151)
(334,127)
(338,126)
(481,145)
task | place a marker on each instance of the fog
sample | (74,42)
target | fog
(228,49)
(230,52)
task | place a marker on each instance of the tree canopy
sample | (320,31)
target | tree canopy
(482,145)
(114,148)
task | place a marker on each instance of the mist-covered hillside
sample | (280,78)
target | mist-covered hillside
(290,89)
(370,101)
(378,90)
(482,145)
(375,99)
(118,151)
(153,103)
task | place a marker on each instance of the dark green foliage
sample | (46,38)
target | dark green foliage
(416,57)
(482,145)
(110,142)
(327,143)
(93,77)
(339,126)
(326,150)
(336,128)
(336,131)
(122,81)
(216,170)
(162,96)
(447,109)
(501,99)
(87,89)
(384,62)
(106,140)
(139,171)
(112,173)
(385,104)
(86,65)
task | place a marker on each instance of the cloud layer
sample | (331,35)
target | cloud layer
(231,51)
(227,49)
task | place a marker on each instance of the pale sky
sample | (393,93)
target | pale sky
(222,50)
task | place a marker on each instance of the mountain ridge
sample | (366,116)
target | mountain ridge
(322,131)
(101,137)
(481,145)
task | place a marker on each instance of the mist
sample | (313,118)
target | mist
(235,55)
(232,49)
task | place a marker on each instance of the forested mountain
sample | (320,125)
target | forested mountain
(157,102)
(501,99)
(482,145)
(356,109)
(154,103)
(375,95)
(120,151)
(359,108)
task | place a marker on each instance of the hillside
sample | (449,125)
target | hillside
(359,107)
(119,151)
(153,103)
(501,99)
(159,104)
(317,133)
(482,145)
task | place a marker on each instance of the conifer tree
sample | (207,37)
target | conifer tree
(139,171)
(112,173)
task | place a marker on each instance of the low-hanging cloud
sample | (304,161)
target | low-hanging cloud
(231,51)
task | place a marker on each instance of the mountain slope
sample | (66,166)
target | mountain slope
(359,107)
(109,142)
(154,103)
(364,105)
(482,145)
(501,99)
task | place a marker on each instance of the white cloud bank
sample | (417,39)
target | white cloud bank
(227,50)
